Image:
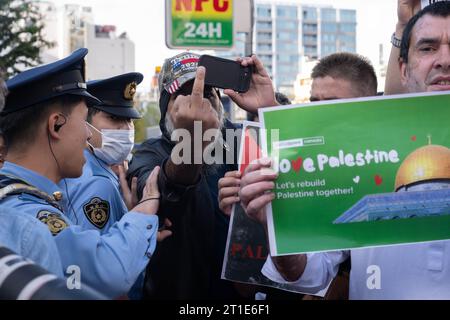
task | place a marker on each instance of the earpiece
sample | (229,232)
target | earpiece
(59,125)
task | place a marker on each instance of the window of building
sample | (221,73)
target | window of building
(291,36)
(348,49)
(310,38)
(287,25)
(286,69)
(309,14)
(287,12)
(328,14)
(287,46)
(328,49)
(264,47)
(264,25)
(285,58)
(348,27)
(329,37)
(266,59)
(264,36)
(310,28)
(347,39)
(329,27)
(263,11)
(347,16)
(310,51)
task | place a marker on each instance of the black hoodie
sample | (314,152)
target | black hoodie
(188,264)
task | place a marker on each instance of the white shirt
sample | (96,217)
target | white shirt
(413,271)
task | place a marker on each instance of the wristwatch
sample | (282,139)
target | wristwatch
(396,42)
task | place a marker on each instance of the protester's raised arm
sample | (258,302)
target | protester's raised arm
(185,112)
(406,9)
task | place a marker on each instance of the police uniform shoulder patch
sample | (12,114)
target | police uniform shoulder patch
(97,212)
(54,221)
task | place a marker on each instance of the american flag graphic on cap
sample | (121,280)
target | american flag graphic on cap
(174,86)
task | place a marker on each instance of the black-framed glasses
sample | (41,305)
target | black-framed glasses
(208,91)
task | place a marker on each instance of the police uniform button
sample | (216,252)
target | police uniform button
(57,195)
(149,227)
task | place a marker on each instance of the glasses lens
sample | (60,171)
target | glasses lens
(186,90)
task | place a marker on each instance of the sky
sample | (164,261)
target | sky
(144,22)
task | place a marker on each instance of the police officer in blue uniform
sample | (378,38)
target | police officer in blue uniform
(24,234)
(95,199)
(44,126)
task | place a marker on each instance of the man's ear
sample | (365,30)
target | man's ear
(55,122)
(403,71)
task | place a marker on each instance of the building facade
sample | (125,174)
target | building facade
(72,26)
(286,32)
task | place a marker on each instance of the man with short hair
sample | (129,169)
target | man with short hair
(412,271)
(44,125)
(341,76)
(337,76)
(25,235)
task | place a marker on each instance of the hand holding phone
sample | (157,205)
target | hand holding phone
(260,94)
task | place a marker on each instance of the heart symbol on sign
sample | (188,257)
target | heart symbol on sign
(297,164)
(378,180)
(356,179)
(413,138)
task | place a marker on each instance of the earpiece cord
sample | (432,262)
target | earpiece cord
(64,179)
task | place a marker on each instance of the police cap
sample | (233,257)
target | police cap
(40,84)
(116,94)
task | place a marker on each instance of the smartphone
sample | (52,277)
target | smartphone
(226,74)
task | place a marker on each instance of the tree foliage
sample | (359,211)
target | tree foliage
(21,36)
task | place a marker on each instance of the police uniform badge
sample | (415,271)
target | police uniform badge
(53,220)
(130,91)
(97,212)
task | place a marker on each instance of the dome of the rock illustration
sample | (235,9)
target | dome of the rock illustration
(428,163)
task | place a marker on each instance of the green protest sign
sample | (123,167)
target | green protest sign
(358,173)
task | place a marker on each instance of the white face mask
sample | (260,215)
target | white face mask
(116,145)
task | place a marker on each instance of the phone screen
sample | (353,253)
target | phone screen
(225,74)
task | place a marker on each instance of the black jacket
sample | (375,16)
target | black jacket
(188,264)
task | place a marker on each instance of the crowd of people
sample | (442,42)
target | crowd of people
(154,228)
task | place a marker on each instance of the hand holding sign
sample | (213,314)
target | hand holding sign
(256,186)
